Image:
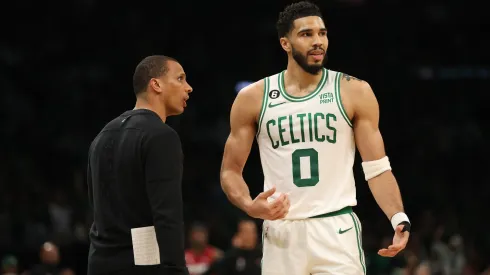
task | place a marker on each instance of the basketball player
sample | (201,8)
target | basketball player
(308,121)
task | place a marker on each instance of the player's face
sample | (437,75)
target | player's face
(308,43)
(175,89)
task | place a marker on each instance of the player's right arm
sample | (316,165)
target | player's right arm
(243,117)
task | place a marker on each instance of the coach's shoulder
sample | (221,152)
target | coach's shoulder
(166,130)
(162,139)
(162,131)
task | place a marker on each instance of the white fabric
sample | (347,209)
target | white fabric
(307,148)
(330,245)
(145,246)
(398,218)
(375,167)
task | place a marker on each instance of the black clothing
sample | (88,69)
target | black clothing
(135,180)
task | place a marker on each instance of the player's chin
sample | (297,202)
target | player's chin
(316,61)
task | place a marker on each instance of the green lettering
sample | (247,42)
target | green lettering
(291,130)
(282,130)
(330,127)
(273,123)
(301,116)
(316,128)
(314,178)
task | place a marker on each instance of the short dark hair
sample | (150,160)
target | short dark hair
(285,23)
(150,67)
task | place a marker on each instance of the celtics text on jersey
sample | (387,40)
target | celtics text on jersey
(307,146)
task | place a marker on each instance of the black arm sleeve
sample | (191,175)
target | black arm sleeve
(163,169)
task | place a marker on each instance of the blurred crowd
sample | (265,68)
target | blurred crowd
(50,237)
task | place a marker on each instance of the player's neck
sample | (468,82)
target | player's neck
(144,103)
(297,76)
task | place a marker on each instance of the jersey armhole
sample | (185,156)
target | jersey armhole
(339,99)
(265,98)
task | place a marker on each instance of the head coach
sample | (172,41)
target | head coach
(134,179)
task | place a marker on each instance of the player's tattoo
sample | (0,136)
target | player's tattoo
(349,78)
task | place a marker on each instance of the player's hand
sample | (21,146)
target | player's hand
(399,242)
(261,208)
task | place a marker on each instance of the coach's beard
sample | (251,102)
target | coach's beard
(303,62)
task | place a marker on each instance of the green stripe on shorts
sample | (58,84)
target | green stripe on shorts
(359,246)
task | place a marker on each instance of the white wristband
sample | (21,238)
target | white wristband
(375,168)
(398,218)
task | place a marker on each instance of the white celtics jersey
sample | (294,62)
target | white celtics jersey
(307,147)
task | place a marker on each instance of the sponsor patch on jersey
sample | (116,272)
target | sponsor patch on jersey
(326,98)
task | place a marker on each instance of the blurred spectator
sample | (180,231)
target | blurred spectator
(67,271)
(50,259)
(439,253)
(61,218)
(457,259)
(9,265)
(201,254)
(245,257)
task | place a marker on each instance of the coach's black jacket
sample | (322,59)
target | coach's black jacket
(135,180)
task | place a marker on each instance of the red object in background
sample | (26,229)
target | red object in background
(199,263)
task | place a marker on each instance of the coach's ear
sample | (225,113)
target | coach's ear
(285,44)
(156,85)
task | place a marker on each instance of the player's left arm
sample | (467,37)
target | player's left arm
(376,165)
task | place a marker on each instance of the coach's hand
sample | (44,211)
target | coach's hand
(399,242)
(262,209)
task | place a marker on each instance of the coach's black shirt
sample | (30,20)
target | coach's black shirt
(134,180)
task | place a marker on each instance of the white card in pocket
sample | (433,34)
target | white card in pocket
(145,246)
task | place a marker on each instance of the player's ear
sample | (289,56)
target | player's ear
(285,44)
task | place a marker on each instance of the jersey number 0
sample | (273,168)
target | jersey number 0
(312,156)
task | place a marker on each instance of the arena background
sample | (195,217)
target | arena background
(66,69)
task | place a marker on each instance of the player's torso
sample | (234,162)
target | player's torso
(307,146)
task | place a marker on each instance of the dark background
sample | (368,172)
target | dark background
(66,69)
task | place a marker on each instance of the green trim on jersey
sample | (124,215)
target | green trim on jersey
(339,100)
(345,210)
(359,244)
(289,97)
(265,98)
